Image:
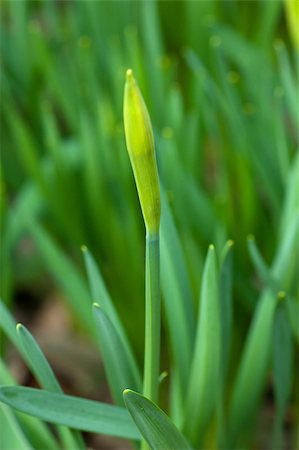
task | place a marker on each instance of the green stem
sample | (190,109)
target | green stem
(152,320)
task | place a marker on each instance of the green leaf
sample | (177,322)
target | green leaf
(250,378)
(44,374)
(282,356)
(293,314)
(261,266)
(285,265)
(100,295)
(226,313)
(282,369)
(78,413)
(37,361)
(288,80)
(177,296)
(154,425)
(203,387)
(271,280)
(225,298)
(39,433)
(117,366)
(290,205)
(12,435)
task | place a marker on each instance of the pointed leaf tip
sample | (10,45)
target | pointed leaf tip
(155,426)
(129,75)
(96,305)
(127,391)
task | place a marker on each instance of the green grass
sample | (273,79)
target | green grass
(220,80)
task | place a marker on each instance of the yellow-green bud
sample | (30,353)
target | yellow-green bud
(292,13)
(141,149)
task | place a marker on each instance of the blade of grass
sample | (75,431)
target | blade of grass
(268,16)
(293,314)
(261,266)
(289,81)
(177,296)
(12,435)
(32,354)
(225,298)
(154,48)
(155,426)
(282,370)
(290,206)
(226,313)
(292,306)
(285,264)
(37,361)
(203,387)
(117,366)
(44,374)
(100,295)
(40,436)
(78,413)
(252,369)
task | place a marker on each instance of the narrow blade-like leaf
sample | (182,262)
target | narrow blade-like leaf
(154,425)
(177,297)
(41,369)
(78,413)
(251,375)
(282,369)
(12,435)
(203,387)
(117,366)
(37,361)
(100,295)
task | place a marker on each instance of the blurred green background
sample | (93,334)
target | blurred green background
(220,79)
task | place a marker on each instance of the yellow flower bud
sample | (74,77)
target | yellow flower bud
(141,149)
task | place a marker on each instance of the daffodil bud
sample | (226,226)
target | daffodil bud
(292,13)
(141,149)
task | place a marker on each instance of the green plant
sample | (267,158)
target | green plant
(226,151)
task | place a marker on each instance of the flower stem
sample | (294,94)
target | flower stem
(152,320)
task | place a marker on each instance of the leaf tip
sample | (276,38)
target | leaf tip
(128,394)
(96,305)
(162,376)
(83,248)
(129,75)
(127,391)
(19,327)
